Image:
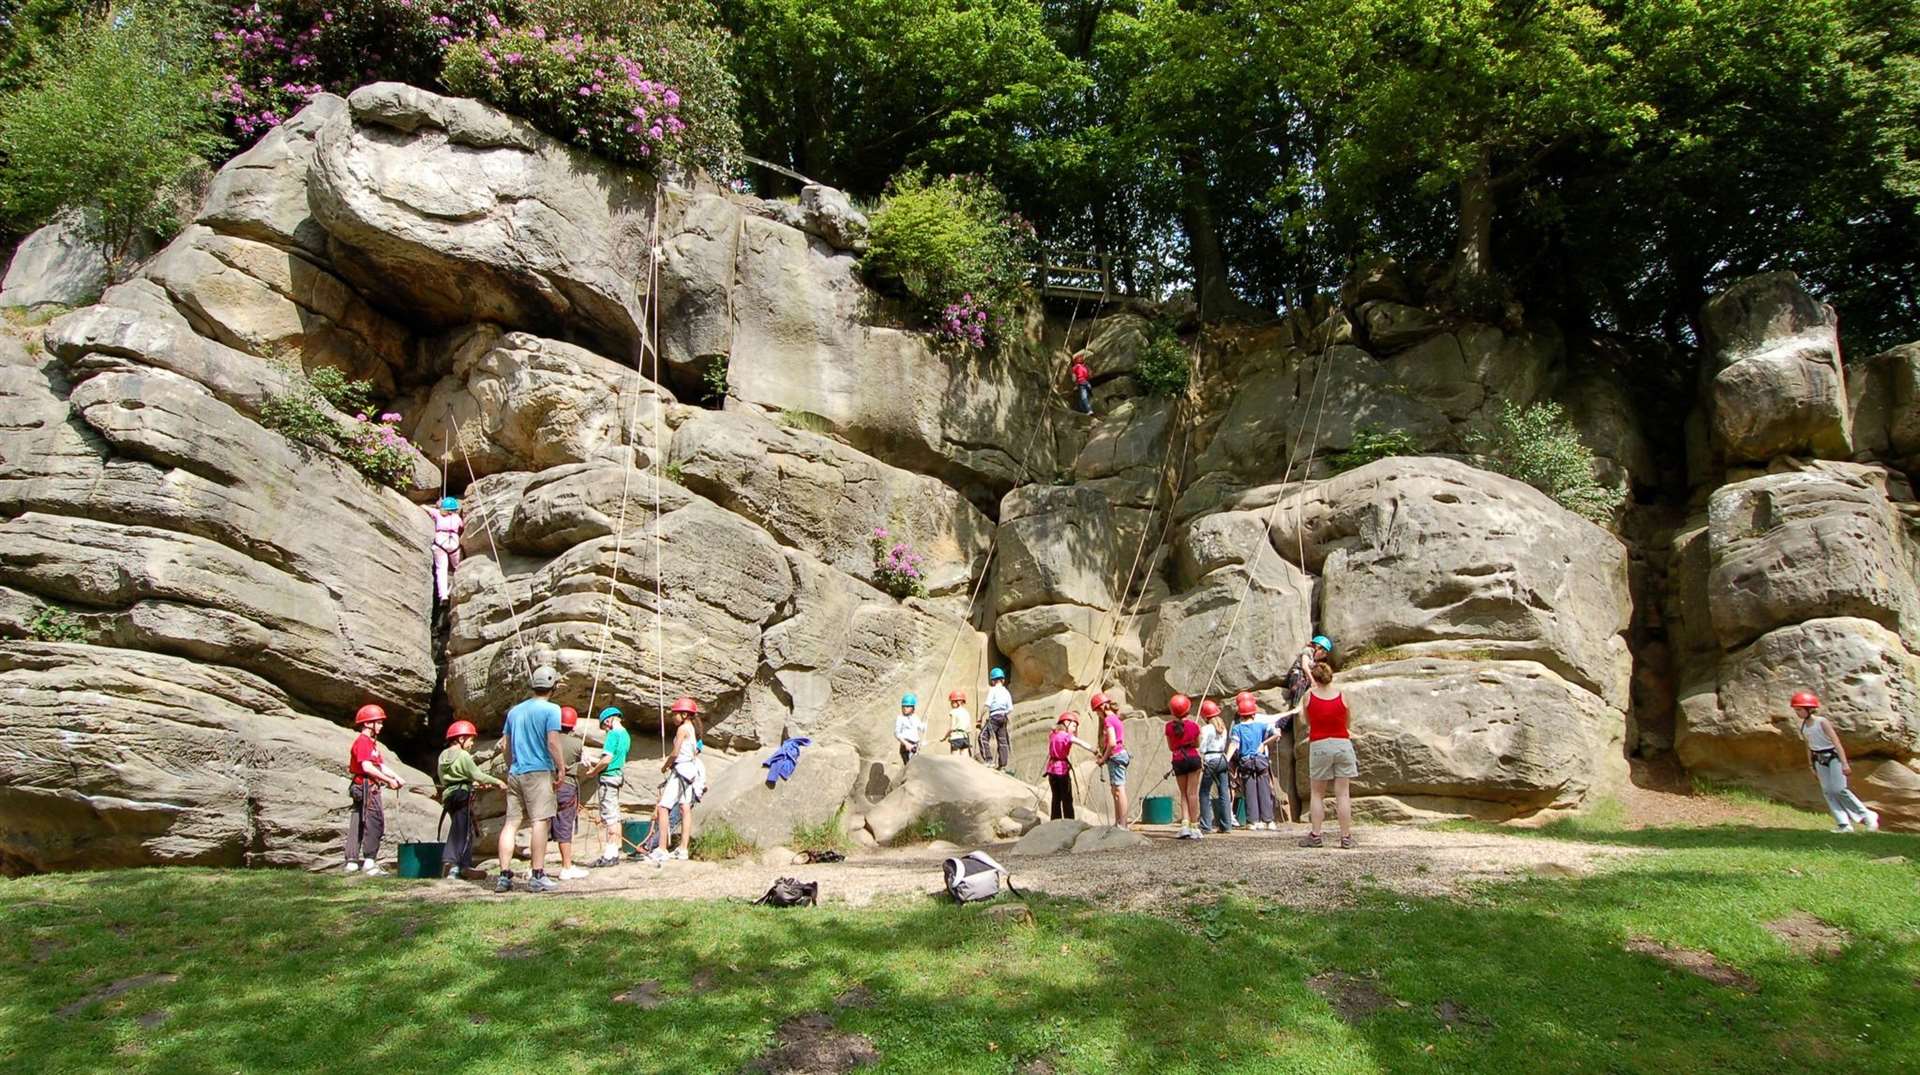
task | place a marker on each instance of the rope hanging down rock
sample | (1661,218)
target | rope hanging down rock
(486,519)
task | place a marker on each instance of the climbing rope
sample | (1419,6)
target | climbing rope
(486,518)
(659,590)
(626,479)
(1253,562)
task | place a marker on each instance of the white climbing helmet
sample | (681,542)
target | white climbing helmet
(543,678)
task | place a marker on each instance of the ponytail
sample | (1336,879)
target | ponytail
(1322,673)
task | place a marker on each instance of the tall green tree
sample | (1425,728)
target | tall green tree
(1463,96)
(850,92)
(119,112)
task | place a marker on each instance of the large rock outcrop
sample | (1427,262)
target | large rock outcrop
(1776,382)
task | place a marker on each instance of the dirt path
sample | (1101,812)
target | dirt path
(1404,859)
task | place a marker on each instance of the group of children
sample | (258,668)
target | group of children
(1214,765)
(544,771)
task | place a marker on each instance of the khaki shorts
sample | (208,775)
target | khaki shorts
(530,797)
(610,799)
(1330,759)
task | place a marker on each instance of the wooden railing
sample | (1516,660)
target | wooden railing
(1096,276)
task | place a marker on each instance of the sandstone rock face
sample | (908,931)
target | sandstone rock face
(815,494)
(766,816)
(512,401)
(785,310)
(1884,392)
(187,762)
(957,793)
(55,266)
(1823,542)
(1439,553)
(1477,738)
(1777,384)
(459,213)
(155,502)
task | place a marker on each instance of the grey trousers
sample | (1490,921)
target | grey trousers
(1842,803)
(366,825)
(994,733)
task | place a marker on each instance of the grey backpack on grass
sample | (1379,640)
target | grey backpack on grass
(974,876)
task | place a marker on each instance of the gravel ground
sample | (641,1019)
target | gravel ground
(1405,859)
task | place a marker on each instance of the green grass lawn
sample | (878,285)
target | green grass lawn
(288,972)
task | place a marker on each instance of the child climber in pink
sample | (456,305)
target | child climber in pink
(447,525)
(1060,766)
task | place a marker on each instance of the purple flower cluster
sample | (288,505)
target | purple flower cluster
(579,87)
(897,568)
(965,321)
(377,449)
(276,55)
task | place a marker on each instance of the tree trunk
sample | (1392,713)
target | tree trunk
(1208,263)
(1473,247)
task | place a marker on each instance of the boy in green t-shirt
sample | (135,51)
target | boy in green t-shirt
(459,776)
(611,768)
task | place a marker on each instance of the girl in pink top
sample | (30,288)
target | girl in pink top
(1059,768)
(447,525)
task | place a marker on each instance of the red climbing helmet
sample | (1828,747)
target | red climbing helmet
(1209,709)
(1806,700)
(1069,717)
(368,714)
(956,696)
(685,704)
(460,729)
(1245,704)
(1180,705)
(1097,702)
(568,718)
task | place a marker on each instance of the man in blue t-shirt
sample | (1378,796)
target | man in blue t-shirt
(530,742)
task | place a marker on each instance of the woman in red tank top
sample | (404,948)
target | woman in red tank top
(1183,742)
(1330,757)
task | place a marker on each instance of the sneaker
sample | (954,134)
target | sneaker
(1842,828)
(1312,839)
(370,868)
(603,862)
(1873,821)
(353,867)
(657,857)
(542,884)
(1346,843)
(679,854)
(573,873)
(503,883)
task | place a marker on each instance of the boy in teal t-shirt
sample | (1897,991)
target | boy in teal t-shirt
(611,769)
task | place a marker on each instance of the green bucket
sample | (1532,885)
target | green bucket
(1157,810)
(421,859)
(633,835)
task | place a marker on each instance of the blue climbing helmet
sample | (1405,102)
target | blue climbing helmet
(608,714)
(1324,643)
(909,699)
(449,503)
(998,673)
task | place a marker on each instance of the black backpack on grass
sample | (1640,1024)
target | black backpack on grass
(788,892)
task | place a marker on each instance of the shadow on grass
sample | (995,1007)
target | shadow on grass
(1863,845)
(284,972)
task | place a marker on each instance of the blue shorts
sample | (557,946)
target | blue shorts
(1117,769)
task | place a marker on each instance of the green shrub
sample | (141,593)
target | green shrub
(121,111)
(55,624)
(828,835)
(717,841)
(370,445)
(925,829)
(1539,446)
(804,420)
(714,377)
(1371,445)
(949,242)
(1164,363)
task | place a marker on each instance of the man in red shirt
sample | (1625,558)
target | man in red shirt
(367,768)
(1082,383)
